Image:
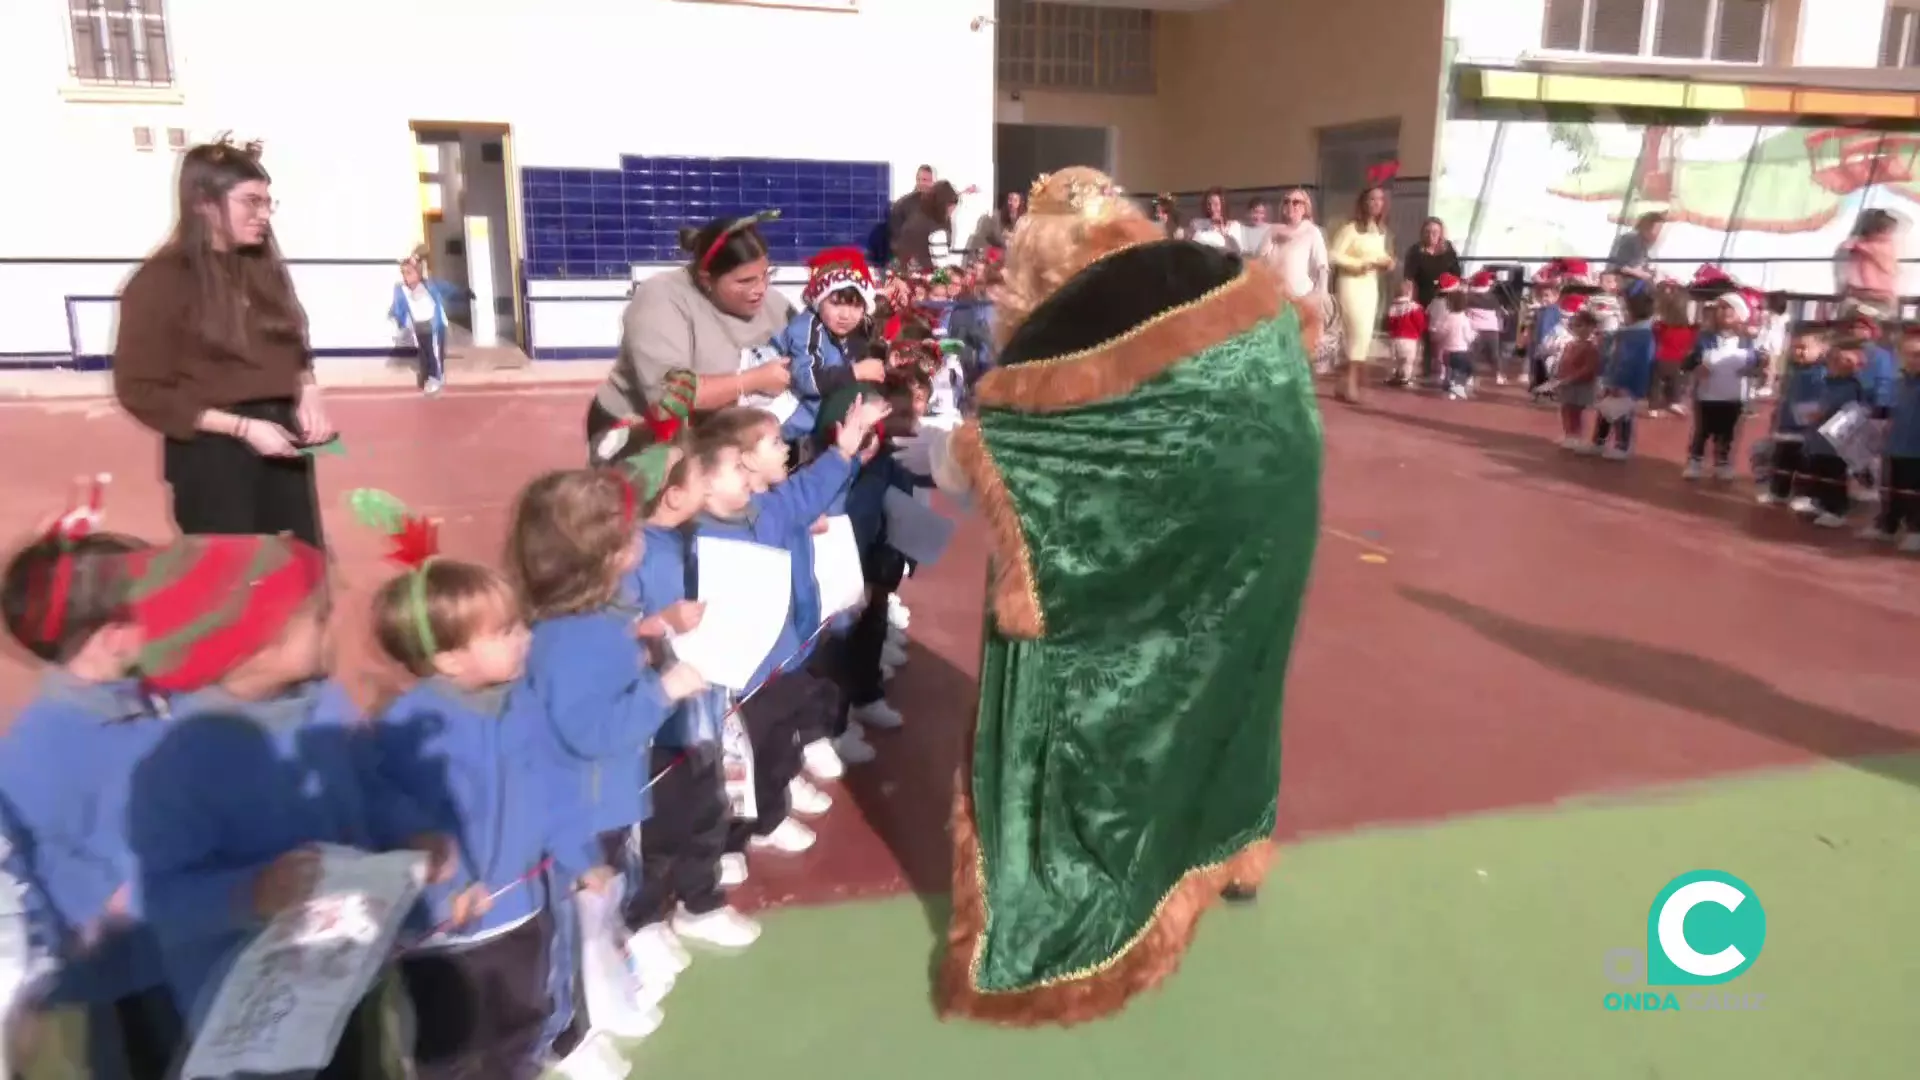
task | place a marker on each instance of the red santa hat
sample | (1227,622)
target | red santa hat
(1573,302)
(835,269)
(1449,283)
(1482,280)
(1570,269)
(1710,276)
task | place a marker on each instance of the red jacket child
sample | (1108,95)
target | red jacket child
(1406,321)
(1672,342)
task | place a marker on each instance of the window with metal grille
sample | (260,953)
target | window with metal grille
(1044,46)
(120,42)
(1900,38)
(1730,31)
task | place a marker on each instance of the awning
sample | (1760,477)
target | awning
(1739,90)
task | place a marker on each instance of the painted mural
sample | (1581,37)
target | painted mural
(1771,203)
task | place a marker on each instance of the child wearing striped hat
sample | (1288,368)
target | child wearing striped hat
(66,765)
(259,766)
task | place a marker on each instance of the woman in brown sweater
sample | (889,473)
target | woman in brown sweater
(212,354)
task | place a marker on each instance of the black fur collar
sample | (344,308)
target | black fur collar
(1117,294)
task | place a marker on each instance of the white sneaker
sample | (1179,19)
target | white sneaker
(897,613)
(634,1023)
(596,1058)
(789,838)
(1830,521)
(1801,504)
(1693,471)
(733,870)
(892,655)
(1725,472)
(1872,532)
(431,388)
(877,714)
(1614,453)
(1909,544)
(853,747)
(722,928)
(1592,450)
(807,800)
(654,948)
(820,762)
(896,636)
(1572,442)
(1678,410)
(1499,380)
(1768,498)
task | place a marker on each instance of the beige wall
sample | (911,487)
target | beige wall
(1244,88)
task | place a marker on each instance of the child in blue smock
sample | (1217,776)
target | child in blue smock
(469,744)
(66,766)
(826,340)
(1821,489)
(574,539)
(1628,377)
(1902,505)
(781,715)
(259,765)
(420,306)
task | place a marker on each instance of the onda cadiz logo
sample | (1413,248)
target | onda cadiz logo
(1706,928)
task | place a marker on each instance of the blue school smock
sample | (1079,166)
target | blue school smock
(1804,384)
(231,787)
(480,768)
(783,517)
(1629,366)
(819,363)
(1836,393)
(603,706)
(1903,434)
(66,770)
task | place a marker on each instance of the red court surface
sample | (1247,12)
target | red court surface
(1492,623)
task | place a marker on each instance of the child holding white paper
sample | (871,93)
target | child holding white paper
(784,715)
(1822,490)
(575,536)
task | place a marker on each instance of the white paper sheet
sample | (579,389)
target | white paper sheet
(1615,408)
(781,405)
(836,568)
(286,1000)
(611,991)
(1856,437)
(747,589)
(916,530)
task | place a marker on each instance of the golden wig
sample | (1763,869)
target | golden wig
(1074,217)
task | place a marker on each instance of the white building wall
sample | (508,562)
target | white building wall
(331,89)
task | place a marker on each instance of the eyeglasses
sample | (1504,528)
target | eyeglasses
(257,204)
(1294,202)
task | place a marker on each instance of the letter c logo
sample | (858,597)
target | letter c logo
(1727,933)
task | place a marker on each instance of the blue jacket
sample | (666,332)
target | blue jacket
(867,498)
(1546,319)
(662,580)
(1879,373)
(1903,437)
(1836,393)
(402,312)
(1629,366)
(66,771)
(231,787)
(1804,383)
(783,517)
(603,706)
(820,365)
(481,768)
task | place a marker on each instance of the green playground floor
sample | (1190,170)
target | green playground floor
(1472,948)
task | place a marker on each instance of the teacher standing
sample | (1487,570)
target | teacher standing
(1361,251)
(701,318)
(211,354)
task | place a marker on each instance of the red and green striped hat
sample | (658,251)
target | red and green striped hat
(207,603)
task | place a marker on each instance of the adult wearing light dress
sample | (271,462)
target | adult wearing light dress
(1361,252)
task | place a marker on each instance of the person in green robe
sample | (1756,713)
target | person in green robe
(1147,454)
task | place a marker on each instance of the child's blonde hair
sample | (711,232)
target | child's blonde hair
(1672,304)
(441,607)
(570,531)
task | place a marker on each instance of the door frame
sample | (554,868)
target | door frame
(512,170)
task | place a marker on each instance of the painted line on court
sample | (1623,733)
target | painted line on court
(1377,549)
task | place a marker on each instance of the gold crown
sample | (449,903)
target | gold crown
(1081,197)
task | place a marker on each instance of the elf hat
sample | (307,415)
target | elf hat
(209,603)
(661,423)
(835,269)
(1449,283)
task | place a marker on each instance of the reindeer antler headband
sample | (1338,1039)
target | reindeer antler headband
(85,512)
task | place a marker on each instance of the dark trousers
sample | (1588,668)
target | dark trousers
(221,487)
(479,1009)
(1715,421)
(370,1045)
(1666,390)
(1789,458)
(1621,430)
(1459,368)
(1900,499)
(599,422)
(884,568)
(777,721)
(431,351)
(143,1031)
(1824,480)
(681,846)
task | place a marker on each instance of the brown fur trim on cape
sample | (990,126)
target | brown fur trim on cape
(1011,594)
(1141,964)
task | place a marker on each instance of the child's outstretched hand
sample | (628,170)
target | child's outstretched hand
(860,421)
(468,905)
(443,855)
(286,883)
(681,682)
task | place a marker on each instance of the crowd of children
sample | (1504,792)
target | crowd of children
(190,751)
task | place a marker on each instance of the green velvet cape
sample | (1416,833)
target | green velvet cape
(1149,456)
